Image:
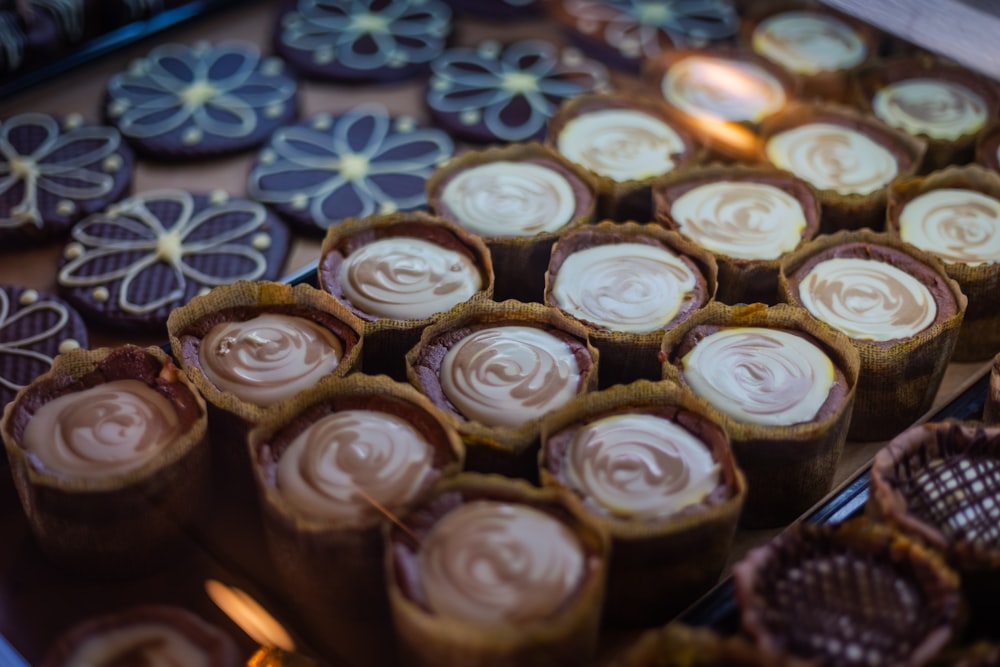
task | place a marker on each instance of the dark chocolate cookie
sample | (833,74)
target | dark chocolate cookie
(329,168)
(207,99)
(54,174)
(130,265)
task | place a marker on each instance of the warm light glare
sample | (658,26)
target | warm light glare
(726,137)
(249,615)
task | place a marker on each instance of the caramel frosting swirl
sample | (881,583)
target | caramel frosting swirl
(622,144)
(758,375)
(867,299)
(959,226)
(490,562)
(105,430)
(833,157)
(145,644)
(407,278)
(632,287)
(722,88)
(639,465)
(510,199)
(740,219)
(809,43)
(934,107)
(507,375)
(340,464)
(268,358)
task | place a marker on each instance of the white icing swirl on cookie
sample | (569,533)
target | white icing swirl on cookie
(959,226)
(508,375)
(759,375)
(341,463)
(147,644)
(740,219)
(106,430)
(833,157)
(809,43)
(867,299)
(407,278)
(722,88)
(937,108)
(510,199)
(632,287)
(640,465)
(268,358)
(622,144)
(493,562)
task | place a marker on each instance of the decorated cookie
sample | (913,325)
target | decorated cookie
(24,45)
(207,99)
(495,93)
(363,40)
(52,174)
(34,328)
(329,168)
(130,265)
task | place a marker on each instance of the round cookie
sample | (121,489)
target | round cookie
(54,173)
(130,265)
(329,168)
(363,40)
(207,99)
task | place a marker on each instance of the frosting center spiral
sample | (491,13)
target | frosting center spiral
(954,224)
(808,43)
(723,89)
(146,644)
(940,109)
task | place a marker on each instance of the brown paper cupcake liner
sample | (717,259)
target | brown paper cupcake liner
(680,645)
(124,523)
(979,337)
(658,565)
(988,147)
(788,468)
(899,378)
(991,408)
(630,356)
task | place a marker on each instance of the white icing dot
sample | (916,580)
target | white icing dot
(291,20)
(112,163)
(65,207)
(323,56)
(322,121)
(137,67)
(572,57)
(28,297)
(73,250)
(274,111)
(113,211)
(72,121)
(272,67)
(268,157)
(192,136)
(68,344)
(469,117)
(587,26)
(203,291)
(117,108)
(201,47)
(217,197)
(388,207)
(300,201)
(440,84)
(405,124)
(101,294)
(396,60)
(629,47)
(489,49)
(261,241)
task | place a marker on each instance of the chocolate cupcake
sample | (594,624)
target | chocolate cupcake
(747,217)
(626,142)
(455,597)
(849,158)
(399,273)
(498,368)
(898,307)
(109,457)
(628,283)
(655,468)
(954,215)
(331,466)
(991,407)
(680,645)
(846,594)
(785,386)
(519,199)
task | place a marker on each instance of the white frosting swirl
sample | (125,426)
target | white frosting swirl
(632,287)
(508,375)
(337,466)
(722,88)
(639,465)
(510,199)
(105,430)
(833,157)
(407,278)
(145,644)
(622,144)
(937,108)
(740,219)
(808,43)
(959,226)
(491,562)
(758,375)
(867,299)
(268,358)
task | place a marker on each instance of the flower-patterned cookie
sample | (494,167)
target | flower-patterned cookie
(329,168)
(52,174)
(209,99)
(34,328)
(494,93)
(627,32)
(130,265)
(363,40)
